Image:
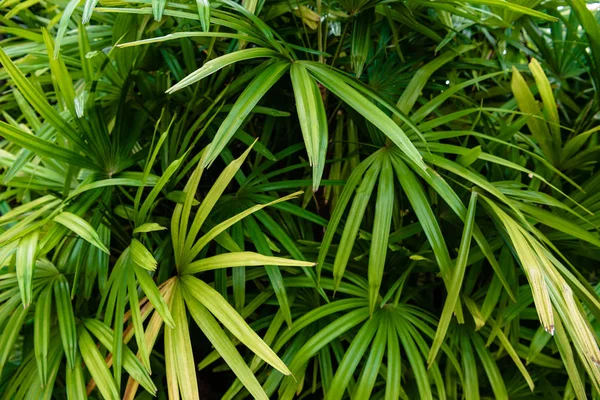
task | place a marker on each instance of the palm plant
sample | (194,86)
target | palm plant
(367,195)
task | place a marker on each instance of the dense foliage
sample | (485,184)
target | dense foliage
(308,199)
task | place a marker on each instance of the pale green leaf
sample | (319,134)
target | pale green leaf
(82,228)
(141,256)
(149,227)
(227,315)
(97,366)
(242,259)
(224,346)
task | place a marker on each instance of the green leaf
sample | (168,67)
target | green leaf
(10,334)
(381,230)
(515,357)
(41,335)
(427,219)
(171,364)
(367,109)
(115,311)
(158,7)
(243,107)
(475,312)
(218,63)
(265,30)
(151,291)
(458,276)
(82,228)
(531,264)
(25,263)
(59,70)
(182,212)
(434,103)
(561,224)
(353,180)
(574,144)
(469,366)
(26,208)
(370,371)
(414,359)
(220,228)
(355,216)
(204,14)
(183,35)
(352,358)
(490,367)
(38,102)
(312,117)
(318,341)
(66,319)
(590,26)
(361,40)
(137,321)
(469,158)
(394,365)
(513,7)
(421,77)
(88,9)
(545,90)
(181,344)
(75,382)
(537,126)
(261,243)
(152,155)
(116,181)
(162,181)
(64,24)
(43,147)
(84,46)
(213,195)
(566,354)
(132,365)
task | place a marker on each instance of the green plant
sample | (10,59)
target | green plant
(312,199)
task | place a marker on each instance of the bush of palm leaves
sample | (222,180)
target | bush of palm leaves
(270,199)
